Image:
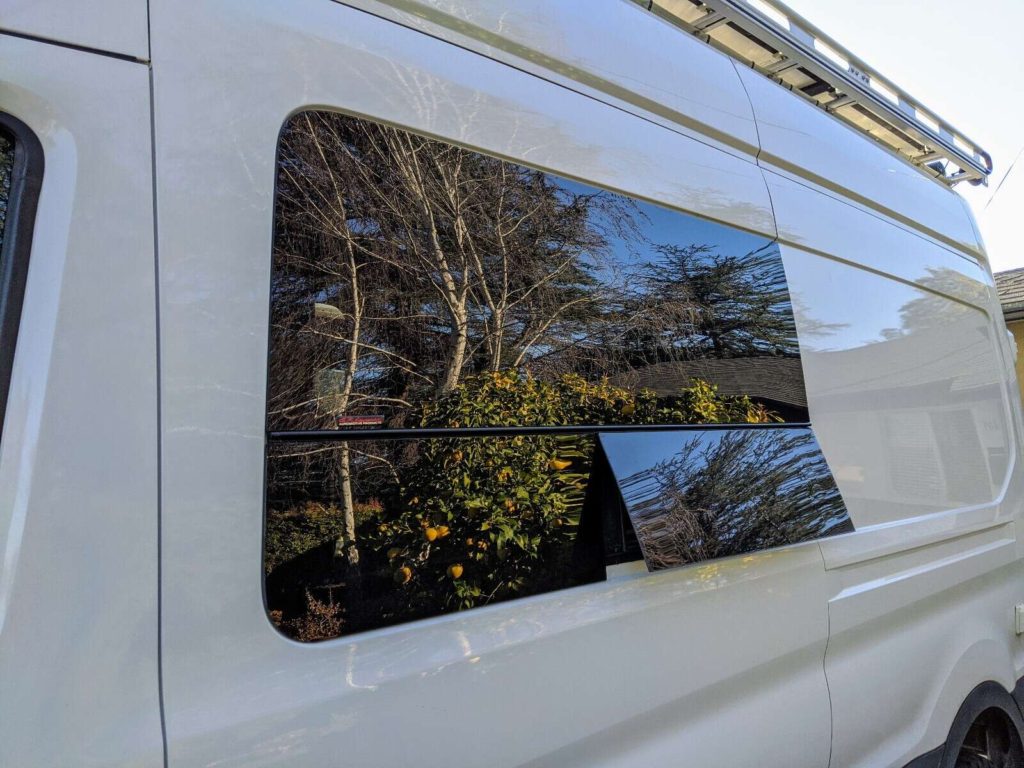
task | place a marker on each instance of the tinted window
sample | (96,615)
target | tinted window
(452,337)
(405,265)
(695,496)
(6,166)
(439,525)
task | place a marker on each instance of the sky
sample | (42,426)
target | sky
(963,62)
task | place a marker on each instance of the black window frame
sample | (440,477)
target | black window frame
(19,225)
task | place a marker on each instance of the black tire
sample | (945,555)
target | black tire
(986,732)
(992,741)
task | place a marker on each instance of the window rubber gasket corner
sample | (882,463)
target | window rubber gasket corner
(22,204)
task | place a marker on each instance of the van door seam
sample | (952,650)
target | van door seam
(757,154)
(159,426)
(824,659)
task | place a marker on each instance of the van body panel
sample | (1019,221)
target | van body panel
(911,635)
(132,464)
(907,432)
(902,350)
(78,461)
(846,230)
(500,680)
(801,137)
(654,68)
(112,26)
(237,692)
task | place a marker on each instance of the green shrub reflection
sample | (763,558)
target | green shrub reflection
(461,522)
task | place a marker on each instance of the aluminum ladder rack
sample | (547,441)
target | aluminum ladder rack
(777,42)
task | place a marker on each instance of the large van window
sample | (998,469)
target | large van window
(452,335)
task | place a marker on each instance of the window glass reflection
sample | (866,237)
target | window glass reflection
(6,166)
(364,533)
(439,525)
(419,285)
(404,266)
(694,496)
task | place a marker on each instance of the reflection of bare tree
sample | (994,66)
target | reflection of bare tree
(417,256)
(463,260)
(425,261)
(731,492)
(402,264)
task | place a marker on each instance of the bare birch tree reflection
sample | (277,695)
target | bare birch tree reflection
(725,493)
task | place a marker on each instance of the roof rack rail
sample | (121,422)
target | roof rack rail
(776,41)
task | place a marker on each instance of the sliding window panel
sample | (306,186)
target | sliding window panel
(365,534)
(700,495)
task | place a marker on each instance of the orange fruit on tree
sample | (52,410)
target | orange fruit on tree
(455,571)
(430,534)
(403,574)
(442,531)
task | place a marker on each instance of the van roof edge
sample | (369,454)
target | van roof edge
(776,41)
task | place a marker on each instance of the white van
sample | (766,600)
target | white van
(482,383)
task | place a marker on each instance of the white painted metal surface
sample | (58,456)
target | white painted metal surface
(798,137)
(719,664)
(113,26)
(78,466)
(652,69)
(448,684)
(906,378)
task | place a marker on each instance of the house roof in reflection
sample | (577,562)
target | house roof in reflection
(777,379)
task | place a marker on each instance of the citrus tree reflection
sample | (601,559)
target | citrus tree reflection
(464,521)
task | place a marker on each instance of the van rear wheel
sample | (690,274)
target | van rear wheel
(992,741)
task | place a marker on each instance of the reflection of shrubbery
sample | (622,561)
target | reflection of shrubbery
(292,532)
(481,520)
(468,521)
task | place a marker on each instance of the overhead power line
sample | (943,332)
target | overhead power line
(1005,176)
